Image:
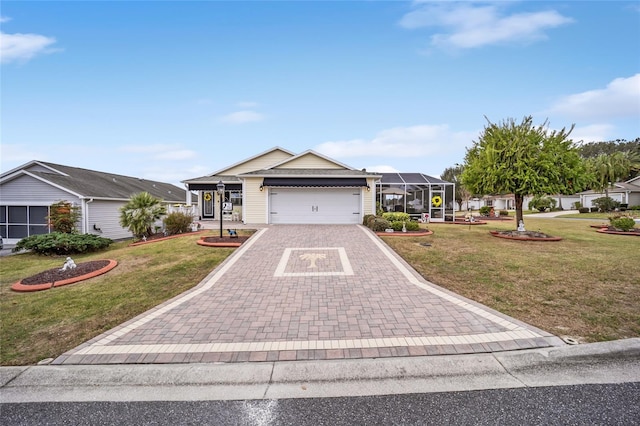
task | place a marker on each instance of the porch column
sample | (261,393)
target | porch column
(187,194)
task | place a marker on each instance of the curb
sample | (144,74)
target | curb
(607,362)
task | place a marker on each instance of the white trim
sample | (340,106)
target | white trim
(312,152)
(276,148)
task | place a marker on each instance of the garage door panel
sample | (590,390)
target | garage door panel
(314,205)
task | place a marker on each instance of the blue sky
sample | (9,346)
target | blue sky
(174,90)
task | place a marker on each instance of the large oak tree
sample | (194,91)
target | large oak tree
(523,159)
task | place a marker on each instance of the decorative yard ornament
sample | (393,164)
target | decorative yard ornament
(68,265)
(313,257)
(436,201)
(521,226)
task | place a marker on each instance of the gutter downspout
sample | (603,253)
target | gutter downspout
(85,214)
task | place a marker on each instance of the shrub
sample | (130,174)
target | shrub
(606,204)
(485,210)
(542,203)
(623,223)
(594,209)
(634,207)
(62,243)
(63,217)
(396,216)
(583,209)
(177,222)
(367,218)
(577,205)
(504,213)
(379,224)
(410,226)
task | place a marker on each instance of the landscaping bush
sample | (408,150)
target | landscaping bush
(379,224)
(623,223)
(583,209)
(59,243)
(634,207)
(368,218)
(410,226)
(594,210)
(177,223)
(542,203)
(577,205)
(396,216)
(606,204)
(485,210)
(504,213)
(63,217)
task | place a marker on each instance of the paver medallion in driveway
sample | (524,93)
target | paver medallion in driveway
(309,292)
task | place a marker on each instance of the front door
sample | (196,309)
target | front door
(437,206)
(207,204)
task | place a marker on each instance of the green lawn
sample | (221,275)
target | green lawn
(586,286)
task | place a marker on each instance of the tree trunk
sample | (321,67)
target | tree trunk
(519,217)
(560,201)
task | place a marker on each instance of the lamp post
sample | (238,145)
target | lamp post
(220,187)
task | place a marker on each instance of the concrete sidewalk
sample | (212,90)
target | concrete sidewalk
(609,362)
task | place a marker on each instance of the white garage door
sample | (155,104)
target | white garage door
(314,205)
(588,199)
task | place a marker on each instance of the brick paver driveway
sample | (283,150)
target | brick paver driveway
(309,292)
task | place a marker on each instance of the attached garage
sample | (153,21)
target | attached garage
(315,205)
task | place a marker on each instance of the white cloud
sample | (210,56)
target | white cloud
(593,133)
(4,19)
(14,155)
(470,26)
(241,117)
(22,47)
(411,141)
(621,98)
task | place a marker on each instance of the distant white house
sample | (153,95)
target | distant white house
(508,202)
(26,193)
(623,192)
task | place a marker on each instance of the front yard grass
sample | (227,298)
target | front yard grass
(586,286)
(45,324)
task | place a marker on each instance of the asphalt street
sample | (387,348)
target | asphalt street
(601,404)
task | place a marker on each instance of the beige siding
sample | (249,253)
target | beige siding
(310,161)
(260,163)
(369,198)
(255,201)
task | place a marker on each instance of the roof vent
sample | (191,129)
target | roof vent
(114,179)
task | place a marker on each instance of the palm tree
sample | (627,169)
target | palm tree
(140,213)
(608,169)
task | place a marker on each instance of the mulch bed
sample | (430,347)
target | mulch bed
(53,275)
(213,241)
(405,234)
(614,231)
(524,235)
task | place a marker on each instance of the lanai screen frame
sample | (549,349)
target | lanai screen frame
(418,186)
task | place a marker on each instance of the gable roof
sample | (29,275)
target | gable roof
(94,184)
(310,152)
(221,172)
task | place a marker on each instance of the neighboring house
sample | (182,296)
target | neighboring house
(26,193)
(508,202)
(280,187)
(624,192)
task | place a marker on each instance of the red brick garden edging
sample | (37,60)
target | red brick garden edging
(37,287)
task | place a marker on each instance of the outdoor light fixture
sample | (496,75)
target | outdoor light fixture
(261,187)
(368,188)
(220,187)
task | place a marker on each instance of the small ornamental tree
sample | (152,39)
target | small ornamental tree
(63,217)
(523,159)
(140,213)
(541,203)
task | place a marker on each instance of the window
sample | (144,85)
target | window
(21,221)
